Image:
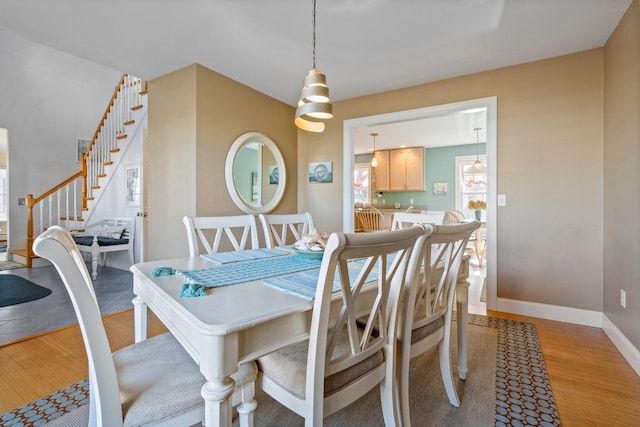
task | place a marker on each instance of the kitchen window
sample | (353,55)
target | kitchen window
(362,183)
(470,187)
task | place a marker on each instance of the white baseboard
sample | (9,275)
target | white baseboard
(576,316)
(551,312)
(624,346)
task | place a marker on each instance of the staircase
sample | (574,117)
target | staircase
(69,203)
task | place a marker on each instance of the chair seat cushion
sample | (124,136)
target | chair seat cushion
(288,368)
(158,380)
(102,241)
(426,330)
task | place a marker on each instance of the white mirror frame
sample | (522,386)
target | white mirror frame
(228,173)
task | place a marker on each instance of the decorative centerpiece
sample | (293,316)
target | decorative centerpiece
(311,245)
(477,206)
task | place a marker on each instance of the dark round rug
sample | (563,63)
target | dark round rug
(16,290)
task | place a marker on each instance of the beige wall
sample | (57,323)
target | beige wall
(195,114)
(561,122)
(549,166)
(622,174)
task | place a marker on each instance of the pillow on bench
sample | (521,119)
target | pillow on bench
(102,241)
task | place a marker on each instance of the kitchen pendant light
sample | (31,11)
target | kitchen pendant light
(478,168)
(374,161)
(314,104)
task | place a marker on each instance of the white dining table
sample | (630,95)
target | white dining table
(237,323)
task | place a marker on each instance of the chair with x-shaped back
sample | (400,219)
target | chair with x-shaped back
(152,382)
(430,306)
(406,219)
(352,345)
(202,228)
(283,229)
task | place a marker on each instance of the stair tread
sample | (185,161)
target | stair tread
(74,221)
(22,252)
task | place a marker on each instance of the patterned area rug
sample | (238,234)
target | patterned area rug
(523,390)
(523,395)
(9,265)
(37,413)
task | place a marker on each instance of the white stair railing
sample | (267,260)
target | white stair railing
(68,200)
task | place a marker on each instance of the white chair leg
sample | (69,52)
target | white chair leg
(389,398)
(402,391)
(447,372)
(247,408)
(94,264)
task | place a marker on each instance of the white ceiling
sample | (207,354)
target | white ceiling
(442,131)
(363,46)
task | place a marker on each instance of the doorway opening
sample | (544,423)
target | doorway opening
(489,104)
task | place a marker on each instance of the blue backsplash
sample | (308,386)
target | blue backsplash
(439,167)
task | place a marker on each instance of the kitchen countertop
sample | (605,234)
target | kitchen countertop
(400,209)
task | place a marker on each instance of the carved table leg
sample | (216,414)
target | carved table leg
(217,402)
(141,319)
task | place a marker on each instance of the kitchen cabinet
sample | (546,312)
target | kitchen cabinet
(402,169)
(381,171)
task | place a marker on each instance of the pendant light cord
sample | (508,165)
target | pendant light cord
(313,24)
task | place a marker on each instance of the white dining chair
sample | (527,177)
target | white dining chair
(406,219)
(430,307)
(283,229)
(200,229)
(341,361)
(153,382)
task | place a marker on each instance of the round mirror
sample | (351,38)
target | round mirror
(255,174)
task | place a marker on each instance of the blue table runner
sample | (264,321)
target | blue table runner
(304,284)
(292,274)
(240,272)
(246,255)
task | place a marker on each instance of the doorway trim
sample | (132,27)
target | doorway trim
(491,104)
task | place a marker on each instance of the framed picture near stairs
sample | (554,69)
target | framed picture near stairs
(132,182)
(82,145)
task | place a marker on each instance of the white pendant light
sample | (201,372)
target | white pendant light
(478,168)
(314,105)
(374,161)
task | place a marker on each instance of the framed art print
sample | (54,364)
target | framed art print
(132,182)
(321,172)
(440,188)
(82,145)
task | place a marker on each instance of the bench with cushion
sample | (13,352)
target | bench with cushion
(111,234)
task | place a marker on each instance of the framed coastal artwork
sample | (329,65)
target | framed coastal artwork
(440,188)
(274,174)
(320,172)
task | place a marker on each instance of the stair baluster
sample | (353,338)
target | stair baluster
(78,189)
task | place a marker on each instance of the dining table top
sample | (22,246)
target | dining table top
(225,308)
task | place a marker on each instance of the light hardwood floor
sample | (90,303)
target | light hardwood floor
(592,384)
